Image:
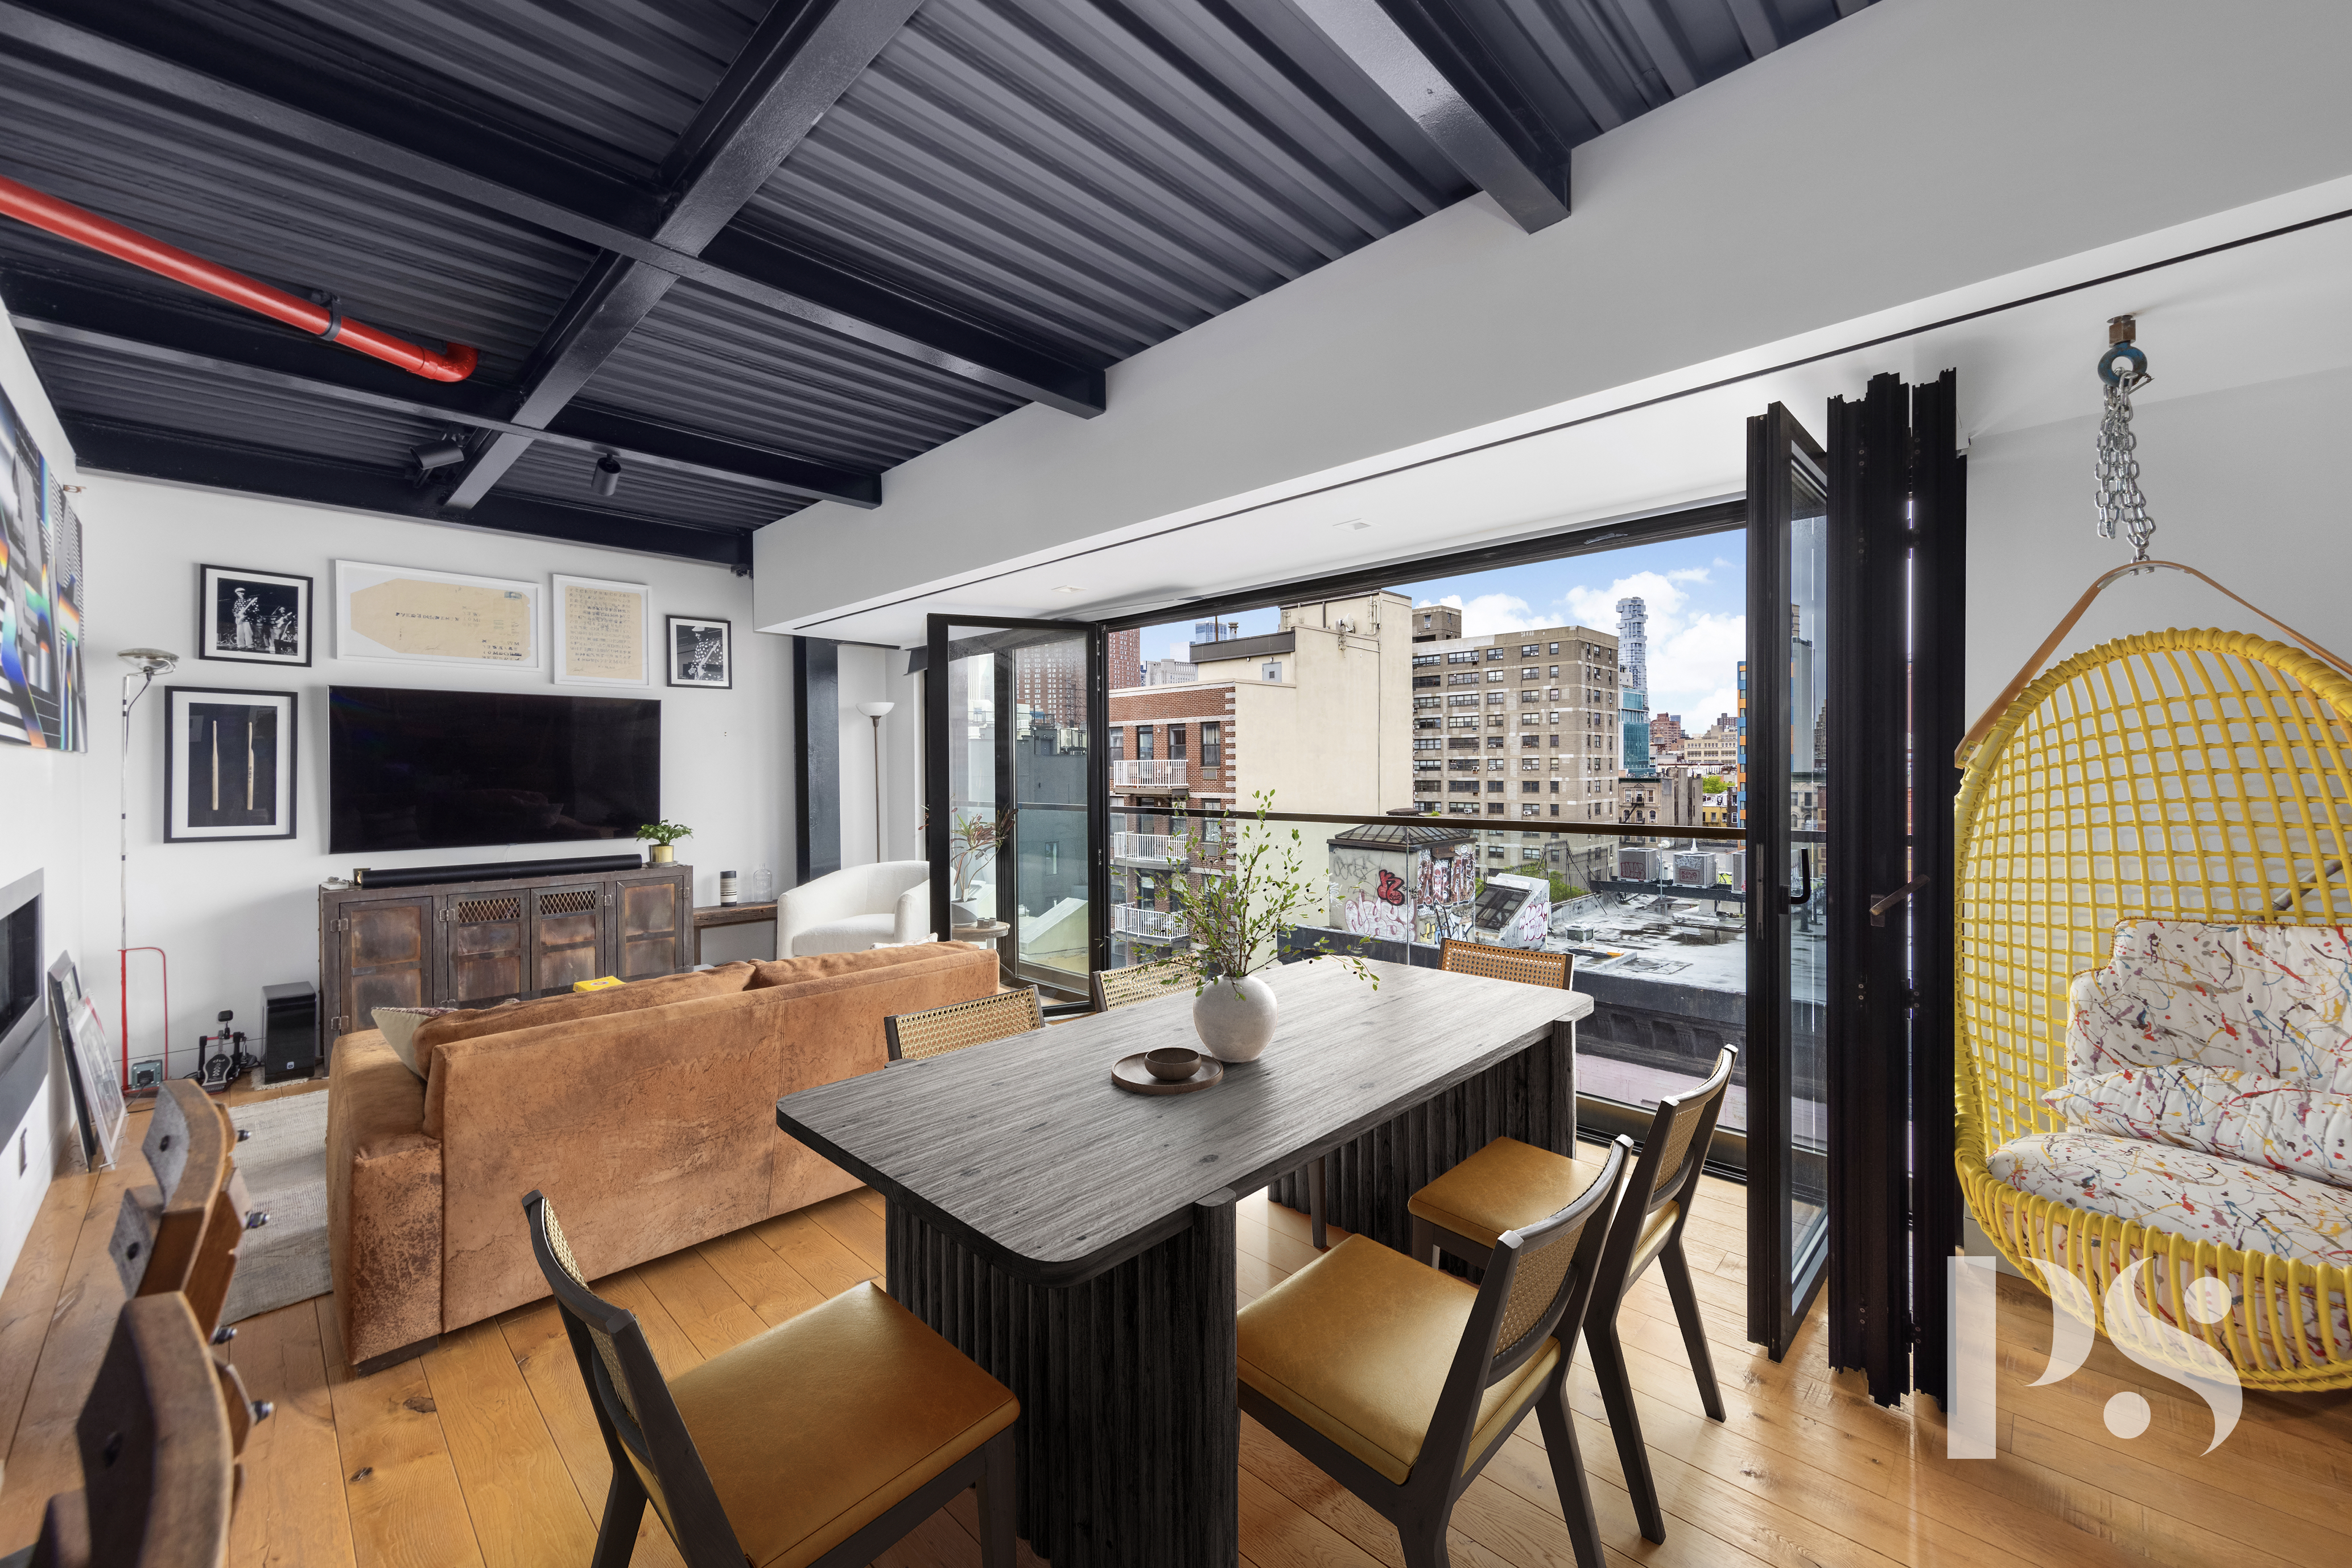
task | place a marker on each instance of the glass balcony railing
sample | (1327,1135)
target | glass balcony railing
(1149,773)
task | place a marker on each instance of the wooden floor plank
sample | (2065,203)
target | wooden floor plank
(292,1512)
(769,1286)
(542,1353)
(407,1508)
(699,1302)
(815,1254)
(856,1228)
(519,1492)
(28,1306)
(42,1456)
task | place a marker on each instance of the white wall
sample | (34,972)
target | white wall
(42,828)
(2243,486)
(1919,147)
(237,916)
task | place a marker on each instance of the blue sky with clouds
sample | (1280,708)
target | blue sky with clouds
(1696,591)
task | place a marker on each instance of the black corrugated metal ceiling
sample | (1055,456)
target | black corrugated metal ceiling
(759,253)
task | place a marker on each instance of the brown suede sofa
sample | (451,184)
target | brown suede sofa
(646,1112)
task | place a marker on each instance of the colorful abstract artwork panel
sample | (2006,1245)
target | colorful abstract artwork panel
(44,700)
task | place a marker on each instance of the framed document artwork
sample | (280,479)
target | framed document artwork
(253,617)
(602,632)
(434,617)
(228,765)
(701,652)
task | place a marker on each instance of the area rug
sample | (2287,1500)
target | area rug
(284,1164)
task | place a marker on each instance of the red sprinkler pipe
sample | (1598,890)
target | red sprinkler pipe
(69,222)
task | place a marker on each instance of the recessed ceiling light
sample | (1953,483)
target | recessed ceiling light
(1067,588)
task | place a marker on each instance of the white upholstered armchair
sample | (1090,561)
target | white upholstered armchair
(849,912)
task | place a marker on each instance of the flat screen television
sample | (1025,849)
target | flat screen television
(443,770)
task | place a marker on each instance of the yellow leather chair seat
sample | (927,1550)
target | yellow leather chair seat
(1357,1344)
(1509,1185)
(815,1428)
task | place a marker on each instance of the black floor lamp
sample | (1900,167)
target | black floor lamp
(875,710)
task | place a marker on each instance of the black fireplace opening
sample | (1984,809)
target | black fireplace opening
(20,955)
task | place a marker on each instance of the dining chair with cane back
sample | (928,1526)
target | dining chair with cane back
(1464,1210)
(936,1031)
(1400,1383)
(817,1444)
(1557,969)
(158,1453)
(182,1234)
(1116,988)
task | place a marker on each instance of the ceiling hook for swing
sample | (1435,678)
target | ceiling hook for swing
(2123,365)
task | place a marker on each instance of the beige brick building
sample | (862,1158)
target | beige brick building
(1317,711)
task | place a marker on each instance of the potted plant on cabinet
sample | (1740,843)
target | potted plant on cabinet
(664,836)
(1235,916)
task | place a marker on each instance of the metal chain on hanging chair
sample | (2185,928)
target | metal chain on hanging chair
(2123,369)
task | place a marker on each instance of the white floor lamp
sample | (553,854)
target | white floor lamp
(875,710)
(147,663)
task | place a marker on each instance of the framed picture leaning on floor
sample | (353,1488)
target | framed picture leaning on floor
(253,617)
(701,653)
(228,765)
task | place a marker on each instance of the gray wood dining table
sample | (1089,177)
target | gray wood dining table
(1076,1240)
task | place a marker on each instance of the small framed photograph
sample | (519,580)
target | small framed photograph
(228,765)
(253,617)
(604,632)
(701,653)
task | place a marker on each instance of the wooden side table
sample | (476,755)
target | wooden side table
(708,915)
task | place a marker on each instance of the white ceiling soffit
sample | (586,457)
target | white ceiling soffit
(2276,308)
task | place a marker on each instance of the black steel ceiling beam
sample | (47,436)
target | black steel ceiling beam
(799,60)
(1427,60)
(491,167)
(109,445)
(248,350)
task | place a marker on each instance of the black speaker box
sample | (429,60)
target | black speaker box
(289,1031)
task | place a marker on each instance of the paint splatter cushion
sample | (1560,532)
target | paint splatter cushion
(2273,1001)
(2221,1111)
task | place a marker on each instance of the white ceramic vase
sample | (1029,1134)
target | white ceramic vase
(1234,1018)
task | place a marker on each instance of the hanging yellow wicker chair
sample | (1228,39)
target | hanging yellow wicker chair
(2192,776)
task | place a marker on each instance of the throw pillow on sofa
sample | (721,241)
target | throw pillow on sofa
(2222,1110)
(399,1026)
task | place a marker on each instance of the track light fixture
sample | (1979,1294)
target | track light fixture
(606,480)
(438,453)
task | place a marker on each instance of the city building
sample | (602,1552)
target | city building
(1169,672)
(1670,797)
(1633,680)
(1124,660)
(1436,623)
(1317,711)
(1665,735)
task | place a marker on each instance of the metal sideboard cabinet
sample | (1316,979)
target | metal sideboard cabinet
(478,942)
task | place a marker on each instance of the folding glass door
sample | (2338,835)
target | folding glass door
(1012,716)
(1789,645)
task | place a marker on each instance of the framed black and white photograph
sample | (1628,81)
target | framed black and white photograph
(228,765)
(701,653)
(253,617)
